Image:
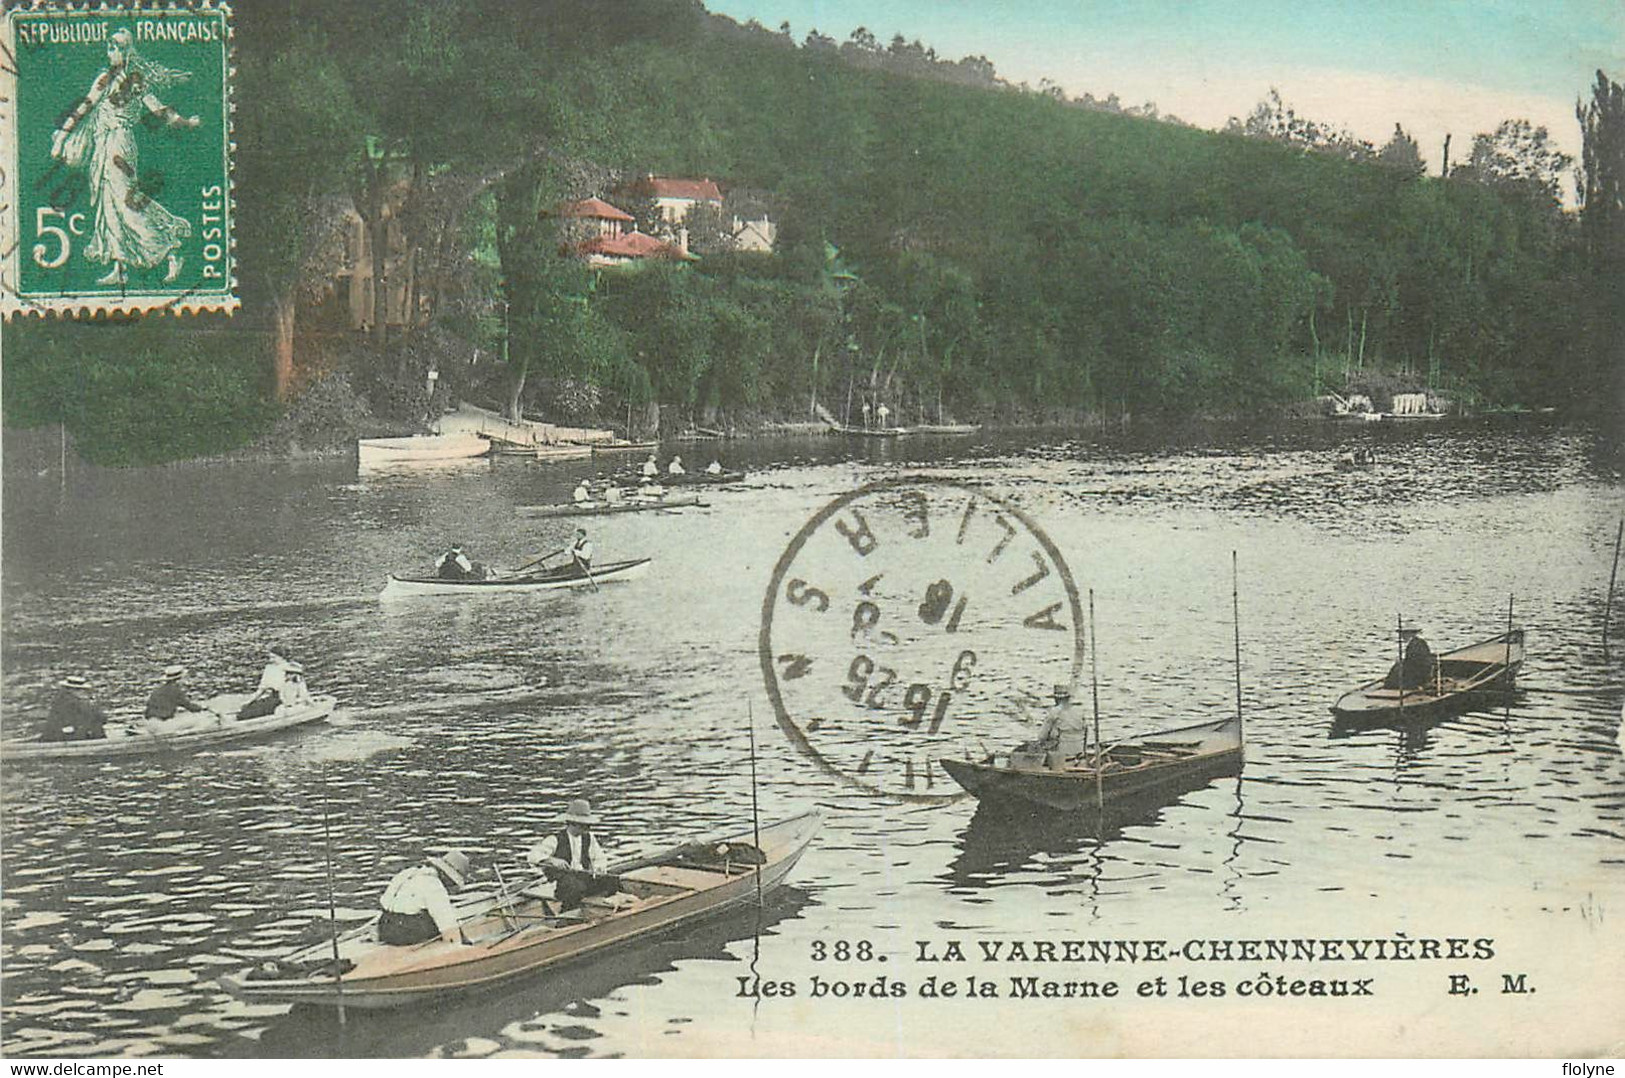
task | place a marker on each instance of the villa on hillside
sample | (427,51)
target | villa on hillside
(603,235)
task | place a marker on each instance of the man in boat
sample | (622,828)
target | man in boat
(714,468)
(581,553)
(573,859)
(582,495)
(1415,670)
(74,718)
(651,468)
(1066,734)
(676,466)
(417,903)
(281,682)
(169,697)
(454,565)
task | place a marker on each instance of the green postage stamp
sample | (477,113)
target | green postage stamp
(115,145)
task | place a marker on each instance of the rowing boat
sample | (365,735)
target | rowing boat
(520,932)
(624,447)
(138,737)
(431,447)
(700,478)
(1134,766)
(597,508)
(564,576)
(1481,672)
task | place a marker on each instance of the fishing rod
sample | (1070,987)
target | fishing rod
(1235,620)
(1094,691)
(755,814)
(1608,607)
(1507,662)
(332,906)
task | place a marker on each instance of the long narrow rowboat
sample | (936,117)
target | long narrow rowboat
(521,932)
(182,734)
(596,508)
(431,447)
(1464,678)
(564,576)
(1133,767)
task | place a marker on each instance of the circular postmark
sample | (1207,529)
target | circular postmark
(914,620)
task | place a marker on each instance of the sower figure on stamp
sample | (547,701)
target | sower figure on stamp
(573,860)
(130,227)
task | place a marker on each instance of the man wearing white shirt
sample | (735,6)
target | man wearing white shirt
(417,902)
(573,858)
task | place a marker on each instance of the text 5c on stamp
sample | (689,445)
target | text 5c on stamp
(912,621)
(115,148)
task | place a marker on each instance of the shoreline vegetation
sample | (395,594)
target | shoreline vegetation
(946,244)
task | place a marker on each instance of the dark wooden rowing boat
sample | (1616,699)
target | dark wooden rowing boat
(633,504)
(1131,767)
(218,725)
(1465,678)
(564,576)
(519,932)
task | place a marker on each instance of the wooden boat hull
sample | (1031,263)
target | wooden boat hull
(700,479)
(145,740)
(667,896)
(1469,677)
(1206,750)
(625,447)
(598,509)
(420,449)
(611,572)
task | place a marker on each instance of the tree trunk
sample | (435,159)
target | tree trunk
(515,412)
(283,312)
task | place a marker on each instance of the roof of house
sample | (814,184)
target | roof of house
(672,187)
(593,207)
(633,244)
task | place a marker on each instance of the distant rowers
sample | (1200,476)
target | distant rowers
(582,494)
(714,468)
(676,467)
(651,467)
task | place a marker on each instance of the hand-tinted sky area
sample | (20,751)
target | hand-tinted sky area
(1435,66)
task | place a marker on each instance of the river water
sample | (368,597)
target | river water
(128,886)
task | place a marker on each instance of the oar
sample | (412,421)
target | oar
(586,568)
(539,560)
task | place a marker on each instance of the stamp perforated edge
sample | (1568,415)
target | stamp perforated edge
(15,305)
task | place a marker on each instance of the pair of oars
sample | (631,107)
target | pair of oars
(585,568)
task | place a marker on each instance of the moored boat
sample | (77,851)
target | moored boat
(1467,677)
(520,931)
(564,576)
(425,447)
(1131,767)
(138,737)
(619,446)
(635,504)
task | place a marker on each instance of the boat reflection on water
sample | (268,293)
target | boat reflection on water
(550,1012)
(1008,837)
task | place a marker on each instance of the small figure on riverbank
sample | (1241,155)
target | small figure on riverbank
(73,717)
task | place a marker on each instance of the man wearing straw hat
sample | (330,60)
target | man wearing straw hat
(417,903)
(1415,670)
(169,697)
(1066,734)
(573,859)
(73,718)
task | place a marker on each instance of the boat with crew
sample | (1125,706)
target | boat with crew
(217,724)
(520,931)
(605,507)
(1468,677)
(559,577)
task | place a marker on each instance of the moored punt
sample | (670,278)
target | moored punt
(428,447)
(183,734)
(1464,678)
(947,428)
(871,432)
(562,451)
(624,447)
(634,504)
(564,576)
(521,932)
(1132,767)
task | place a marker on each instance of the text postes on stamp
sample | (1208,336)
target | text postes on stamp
(116,151)
(911,621)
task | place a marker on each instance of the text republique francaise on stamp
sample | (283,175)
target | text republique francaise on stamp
(115,145)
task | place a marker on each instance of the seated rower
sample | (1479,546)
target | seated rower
(169,697)
(454,565)
(1415,670)
(573,859)
(581,553)
(274,689)
(651,467)
(582,494)
(714,468)
(676,466)
(417,903)
(73,718)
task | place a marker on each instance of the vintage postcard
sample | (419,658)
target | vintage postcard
(782,529)
(117,159)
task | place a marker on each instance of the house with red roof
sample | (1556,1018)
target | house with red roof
(674,196)
(632,246)
(590,218)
